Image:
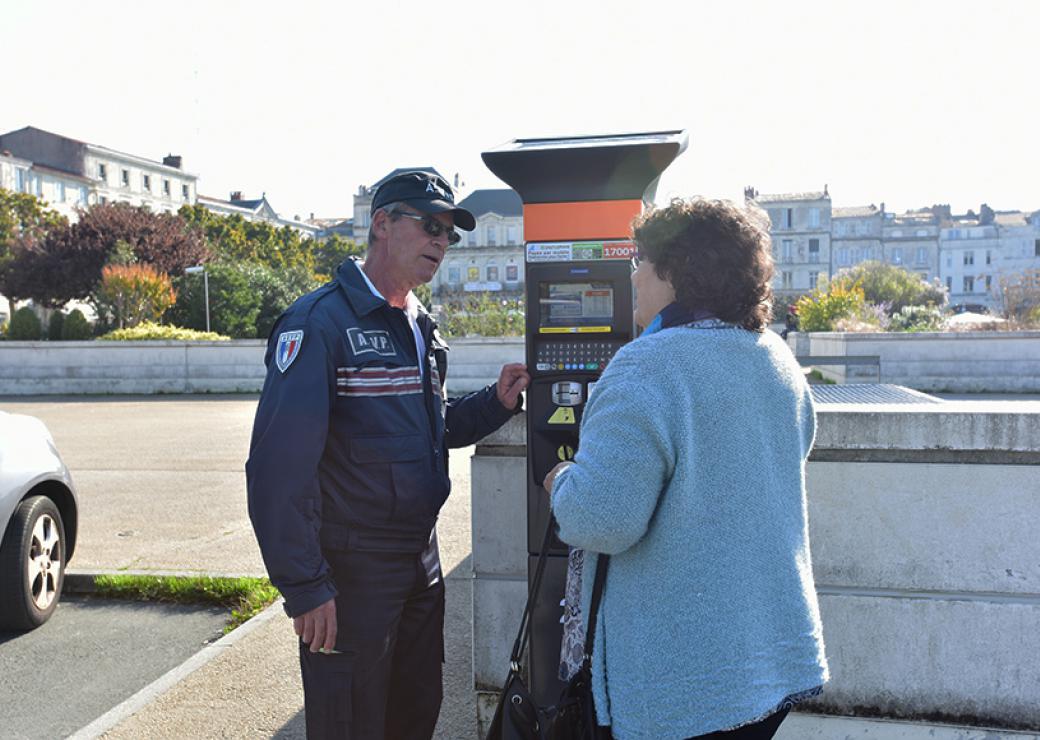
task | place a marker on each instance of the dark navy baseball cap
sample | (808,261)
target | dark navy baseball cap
(424,192)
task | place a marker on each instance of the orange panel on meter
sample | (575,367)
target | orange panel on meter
(604,219)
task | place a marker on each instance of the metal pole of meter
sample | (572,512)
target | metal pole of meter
(205,285)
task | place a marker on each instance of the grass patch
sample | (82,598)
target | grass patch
(246,597)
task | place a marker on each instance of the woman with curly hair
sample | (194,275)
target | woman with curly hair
(691,476)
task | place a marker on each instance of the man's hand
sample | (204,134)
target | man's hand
(513,379)
(317,628)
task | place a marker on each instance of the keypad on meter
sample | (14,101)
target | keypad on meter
(589,356)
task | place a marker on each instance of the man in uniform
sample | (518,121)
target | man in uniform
(348,470)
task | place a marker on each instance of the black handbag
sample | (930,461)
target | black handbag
(573,717)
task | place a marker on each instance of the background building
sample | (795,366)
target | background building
(911,240)
(855,235)
(258,209)
(491,257)
(111,176)
(801,234)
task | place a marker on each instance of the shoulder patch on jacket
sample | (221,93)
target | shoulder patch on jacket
(288,349)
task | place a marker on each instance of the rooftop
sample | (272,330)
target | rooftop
(503,201)
(788,197)
(855,211)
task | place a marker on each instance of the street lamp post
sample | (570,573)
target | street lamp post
(205,285)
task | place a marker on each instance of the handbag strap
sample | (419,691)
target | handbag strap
(602,561)
(525,621)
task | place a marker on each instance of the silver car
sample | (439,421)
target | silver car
(38,516)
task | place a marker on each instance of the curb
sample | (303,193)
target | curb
(83,583)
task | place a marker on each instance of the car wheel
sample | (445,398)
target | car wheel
(32,564)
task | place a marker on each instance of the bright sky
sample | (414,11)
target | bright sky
(910,103)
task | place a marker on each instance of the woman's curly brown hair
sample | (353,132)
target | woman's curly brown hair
(716,255)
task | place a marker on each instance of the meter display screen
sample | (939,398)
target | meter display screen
(578,307)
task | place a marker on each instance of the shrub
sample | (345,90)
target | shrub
(482,315)
(147,330)
(76,327)
(25,326)
(892,285)
(54,326)
(821,309)
(130,294)
(917,318)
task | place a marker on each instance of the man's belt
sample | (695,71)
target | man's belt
(335,536)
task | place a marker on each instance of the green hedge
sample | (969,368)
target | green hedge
(147,330)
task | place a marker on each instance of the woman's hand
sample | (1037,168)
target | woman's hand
(551,476)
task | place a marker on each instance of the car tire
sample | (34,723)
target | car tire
(32,564)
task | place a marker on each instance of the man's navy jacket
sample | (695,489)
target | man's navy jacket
(350,441)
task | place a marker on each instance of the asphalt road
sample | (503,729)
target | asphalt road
(91,655)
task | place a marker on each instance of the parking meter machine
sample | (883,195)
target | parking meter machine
(580,195)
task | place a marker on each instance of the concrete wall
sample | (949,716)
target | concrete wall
(923,525)
(953,362)
(31,368)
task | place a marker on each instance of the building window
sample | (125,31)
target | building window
(492,236)
(989,282)
(814,249)
(1036,248)
(969,258)
(512,274)
(21,182)
(969,284)
(897,255)
(785,250)
(842,256)
(785,280)
(856,256)
(146,182)
(814,278)
(37,183)
(102,172)
(453,275)
(922,255)
(103,200)
(511,234)
(126,178)
(949,260)
(949,284)
(788,217)
(922,232)
(492,273)
(814,218)
(185,192)
(166,187)
(59,189)
(83,195)
(472,273)
(989,257)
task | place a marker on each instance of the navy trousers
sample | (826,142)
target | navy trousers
(384,680)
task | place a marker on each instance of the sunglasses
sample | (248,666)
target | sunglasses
(433,227)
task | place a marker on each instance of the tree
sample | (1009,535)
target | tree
(891,286)
(1018,296)
(131,294)
(24,220)
(66,263)
(331,252)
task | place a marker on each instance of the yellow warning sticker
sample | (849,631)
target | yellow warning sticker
(562,415)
